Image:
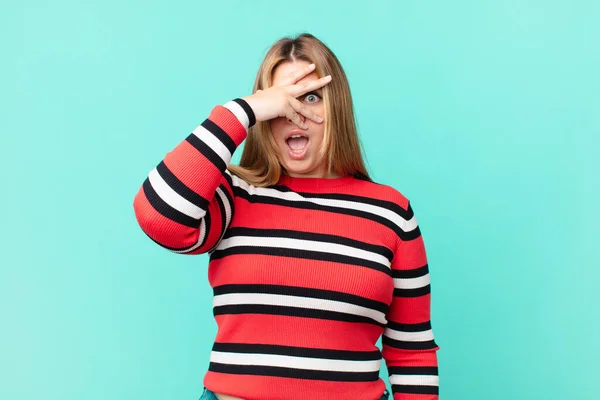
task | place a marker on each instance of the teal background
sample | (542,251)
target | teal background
(485,114)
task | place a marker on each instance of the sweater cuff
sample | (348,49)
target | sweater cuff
(243,112)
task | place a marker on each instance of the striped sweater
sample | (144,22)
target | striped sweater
(307,274)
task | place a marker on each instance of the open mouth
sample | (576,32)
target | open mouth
(297,145)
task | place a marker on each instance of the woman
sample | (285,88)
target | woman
(310,260)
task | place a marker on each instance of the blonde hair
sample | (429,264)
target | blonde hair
(341,147)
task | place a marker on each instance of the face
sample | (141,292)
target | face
(307,162)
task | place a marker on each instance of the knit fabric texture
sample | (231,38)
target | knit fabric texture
(308,274)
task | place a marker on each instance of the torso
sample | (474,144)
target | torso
(353,283)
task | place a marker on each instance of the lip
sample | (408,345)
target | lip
(295,132)
(293,155)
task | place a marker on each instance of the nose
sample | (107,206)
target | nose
(302,118)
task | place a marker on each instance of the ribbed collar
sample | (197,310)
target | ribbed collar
(314,183)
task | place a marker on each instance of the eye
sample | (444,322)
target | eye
(312,97)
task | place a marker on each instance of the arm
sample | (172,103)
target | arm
(408,345)
(186,203)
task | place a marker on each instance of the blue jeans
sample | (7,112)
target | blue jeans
(208,395)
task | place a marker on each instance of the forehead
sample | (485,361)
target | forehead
(286,68)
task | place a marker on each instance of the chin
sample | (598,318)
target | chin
(299,170)
(297,166)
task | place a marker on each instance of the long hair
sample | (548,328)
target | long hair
(259,164)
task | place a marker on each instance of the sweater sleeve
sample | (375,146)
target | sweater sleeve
(408,345)
(186,202)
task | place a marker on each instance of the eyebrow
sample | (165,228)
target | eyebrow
(318,92)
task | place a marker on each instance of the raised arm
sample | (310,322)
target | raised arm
(186,203)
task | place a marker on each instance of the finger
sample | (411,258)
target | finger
(297,74)
(295,119)
(301,109)
(301,88)
(292,115)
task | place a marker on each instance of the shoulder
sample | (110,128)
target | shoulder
(385,193)
(389,205)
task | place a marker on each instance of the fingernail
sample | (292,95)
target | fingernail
(327,78)
(319,118)
(311,66)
